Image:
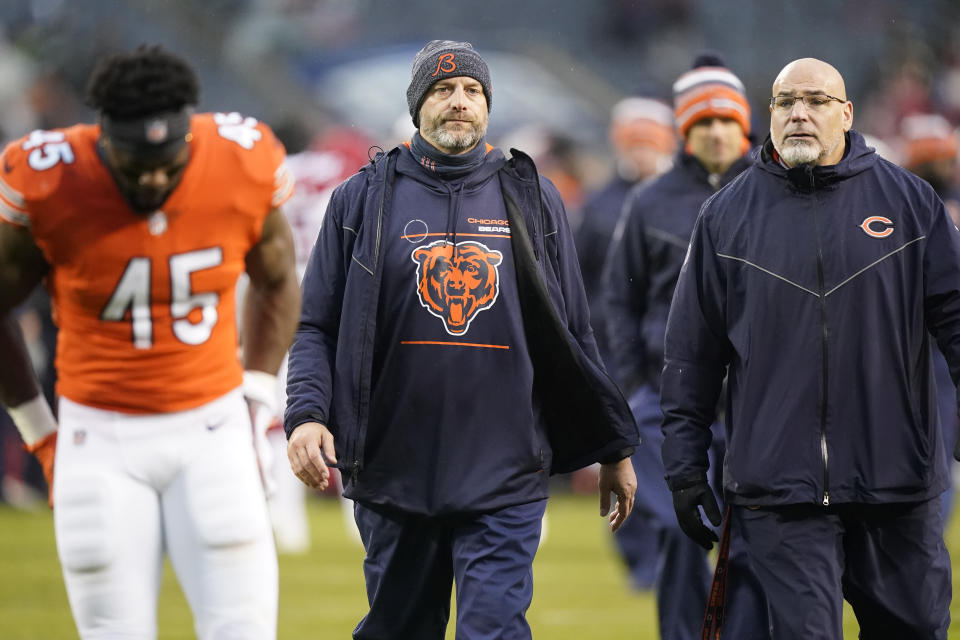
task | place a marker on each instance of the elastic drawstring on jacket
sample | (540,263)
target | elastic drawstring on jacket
(453,211)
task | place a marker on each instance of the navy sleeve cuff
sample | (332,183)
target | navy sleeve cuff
(618,455)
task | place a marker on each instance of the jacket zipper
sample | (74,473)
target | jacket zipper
(824,390)
(825,334)
(363,349)
(383,195)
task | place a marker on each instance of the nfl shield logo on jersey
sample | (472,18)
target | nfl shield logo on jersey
(156,131)
(157,223)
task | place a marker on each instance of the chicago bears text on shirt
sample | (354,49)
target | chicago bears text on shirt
(497,226)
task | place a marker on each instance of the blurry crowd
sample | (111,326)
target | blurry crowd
(909,106)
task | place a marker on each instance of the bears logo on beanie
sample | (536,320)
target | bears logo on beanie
(440,59)
(709,90)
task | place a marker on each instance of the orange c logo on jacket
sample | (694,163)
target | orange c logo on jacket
(877,226)
(445,63)
(455,282)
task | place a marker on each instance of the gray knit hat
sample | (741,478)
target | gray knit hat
(441,59)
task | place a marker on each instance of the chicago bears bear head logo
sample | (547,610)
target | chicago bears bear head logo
(455,282)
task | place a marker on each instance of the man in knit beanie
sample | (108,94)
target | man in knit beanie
(441,59)
(449,98)
(711,93)
(709,89)
(643,263)
(447,366)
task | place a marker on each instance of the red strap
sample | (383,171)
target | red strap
(713,617)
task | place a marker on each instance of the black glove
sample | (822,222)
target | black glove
(686,503)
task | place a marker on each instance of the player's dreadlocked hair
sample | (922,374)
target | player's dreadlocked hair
(143,82)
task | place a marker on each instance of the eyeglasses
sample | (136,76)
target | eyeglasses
(812,101)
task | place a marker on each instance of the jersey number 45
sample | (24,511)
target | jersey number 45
(132,294)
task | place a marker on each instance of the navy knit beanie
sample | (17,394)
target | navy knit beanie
(441,59)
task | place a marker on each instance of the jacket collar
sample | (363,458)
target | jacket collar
(857,157)
(692,166)
(409,166)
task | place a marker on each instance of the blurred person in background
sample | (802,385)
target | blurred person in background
(559,158)
(318,165)
(445,363)
(643,141)
(713,118)
(812,285)
(141,225)
(929,150)
(884,149)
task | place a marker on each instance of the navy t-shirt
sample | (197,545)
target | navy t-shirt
(453,424)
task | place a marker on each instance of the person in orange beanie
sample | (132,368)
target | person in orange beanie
(642,266)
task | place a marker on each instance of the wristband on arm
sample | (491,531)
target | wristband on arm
(37,427)
(260,386)
(260,392)
(33,419)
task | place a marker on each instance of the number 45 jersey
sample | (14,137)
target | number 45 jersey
(145,302)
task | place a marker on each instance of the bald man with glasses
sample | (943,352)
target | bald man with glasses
(814,283)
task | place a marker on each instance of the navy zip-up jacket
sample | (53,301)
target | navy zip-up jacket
(330,374)
(816,290)
(644,261)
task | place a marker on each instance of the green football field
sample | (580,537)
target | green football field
(580,588)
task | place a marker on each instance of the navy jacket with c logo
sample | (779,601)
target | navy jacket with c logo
(817,291)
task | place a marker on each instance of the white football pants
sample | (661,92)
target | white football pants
(127,488)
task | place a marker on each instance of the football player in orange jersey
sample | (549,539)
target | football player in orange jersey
(141,225)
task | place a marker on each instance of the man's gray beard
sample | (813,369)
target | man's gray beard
(454,143)
(803,153)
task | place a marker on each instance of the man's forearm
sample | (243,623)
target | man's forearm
(21,395)
(270,316)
